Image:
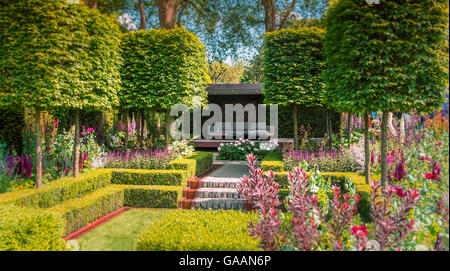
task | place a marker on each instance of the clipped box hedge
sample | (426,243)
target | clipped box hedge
(199,230)
(195,163)
(78,213)
(153,196)
(26,229)
(59,190)
(273,161)
(149,177)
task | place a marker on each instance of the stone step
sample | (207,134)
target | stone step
(220,193)
(217,204)
(219,183)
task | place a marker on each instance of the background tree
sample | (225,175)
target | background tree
(99,77)
(293,65)
(390,57)
(162,68)
(222,73)
(38,69)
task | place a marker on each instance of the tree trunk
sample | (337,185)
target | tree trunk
(91,3)
(125,117)
(383,151)
(76,151)
(295,116)
(286,16)
(167,119)
(402,130)
(142,14)
(349,127)
(37,123)
(167,11)
(341,127)
(391,127)
(366,148)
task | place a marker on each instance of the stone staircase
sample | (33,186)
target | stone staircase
(218,190)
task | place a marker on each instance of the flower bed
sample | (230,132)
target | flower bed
(326,160)
(239,149)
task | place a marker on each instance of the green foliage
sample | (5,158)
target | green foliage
(153,196)
(391,57)
(80,212)
(11,125)
(60,190)
(310,117)
(293,65)
(273,161)
(194,164)
(149,177)
(162,68)
(189,230)
(338,179)
(72,61)
(26,229)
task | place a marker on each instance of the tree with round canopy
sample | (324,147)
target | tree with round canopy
(293,66)
(388,57)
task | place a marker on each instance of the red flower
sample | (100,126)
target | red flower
(354,230)
(357,197)
(439,143)
(400,192)
(347,197)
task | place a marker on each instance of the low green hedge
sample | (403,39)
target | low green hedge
(78,213)
(25,229)
(150,177)
(153,196)
(194,164)
(199,230)
(273,161)
(59,190)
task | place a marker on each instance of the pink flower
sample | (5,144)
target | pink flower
(56,122)
(439,143)
(90,130)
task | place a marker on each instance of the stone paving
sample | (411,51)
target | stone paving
(218,189)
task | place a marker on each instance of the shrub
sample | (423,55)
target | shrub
(189,230)
(327,160)
(60,190)
(153,196)
(239,149)
(149,177)
(152,159)
(338,179)
(195,163)
(78,213)
(273,161)
(25,229)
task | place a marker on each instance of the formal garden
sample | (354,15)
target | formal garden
(88,160)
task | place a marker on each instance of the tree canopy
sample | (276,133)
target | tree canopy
(162,68)
(391,56)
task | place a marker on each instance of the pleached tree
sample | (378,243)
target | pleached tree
(387,57)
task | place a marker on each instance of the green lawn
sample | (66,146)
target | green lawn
(119,234)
